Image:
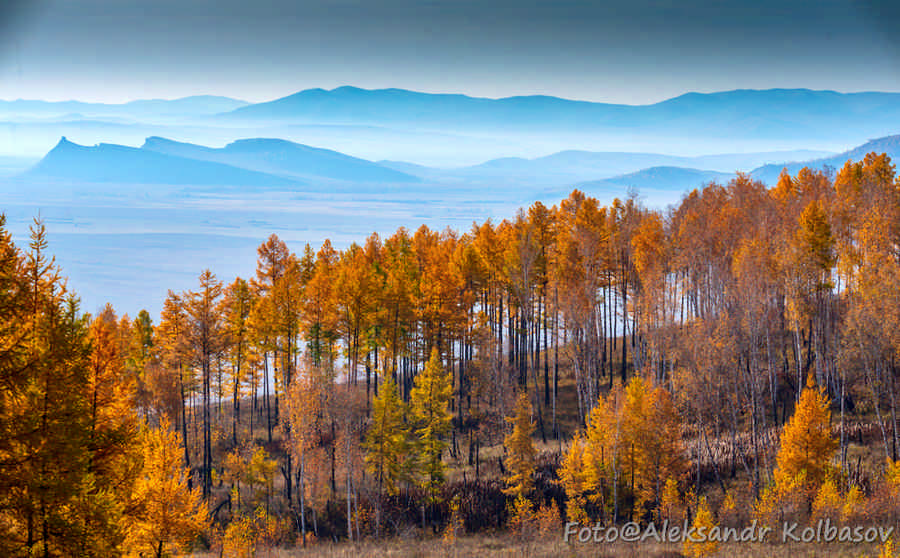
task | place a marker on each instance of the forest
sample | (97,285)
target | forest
(731,358)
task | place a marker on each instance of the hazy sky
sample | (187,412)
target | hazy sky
(629,51)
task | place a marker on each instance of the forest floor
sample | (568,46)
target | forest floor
(510,546)
(865,459)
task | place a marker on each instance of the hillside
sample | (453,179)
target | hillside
(657,178)
(284,158)
(128,165)
(890,145)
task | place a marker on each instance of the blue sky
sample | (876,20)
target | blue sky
(628,51)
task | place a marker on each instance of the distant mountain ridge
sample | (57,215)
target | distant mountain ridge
(658,178)
(283,157)
(110,163)
(679,178)
(587,165)
(772,113)
(261,162)
(197,105)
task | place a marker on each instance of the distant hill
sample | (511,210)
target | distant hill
(680,179)
(129,165)
(283,157)
(780,114)
(672,179)
(890,145)
(199,105)
(615,163)
(577,166)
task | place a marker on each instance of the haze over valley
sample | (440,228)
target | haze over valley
(139,197)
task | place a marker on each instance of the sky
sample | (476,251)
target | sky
(622,51)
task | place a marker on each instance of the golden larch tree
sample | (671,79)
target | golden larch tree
(520,450)
(387,440)
(429,401)
(166,513)
(807,442)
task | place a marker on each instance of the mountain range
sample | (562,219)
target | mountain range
(780,114)
(447,130)
(251,163)
(268,163)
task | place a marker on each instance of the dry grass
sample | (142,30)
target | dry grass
(502,546)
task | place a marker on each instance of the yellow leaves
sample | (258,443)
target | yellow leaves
(521,514)
(807,443)
(671,505)
(653,430)
(305,401)
(814,238)
(388,446)
(239,539)
(455,525)
(261,469)
(828,502)
(854,503)
(431,418)
(887,550)
(892,475)
(256,471)
(246,535)
(703,523)
(168,512)
(635,434)
(520,449)
(573,478)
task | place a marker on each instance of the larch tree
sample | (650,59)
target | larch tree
(174,353)
(165,512)
(573,478)
(305,404)
(652,427)
(520,450)
(237,303)
(429,400)
(64,471)
(807,443)
(205,337)
(388,440)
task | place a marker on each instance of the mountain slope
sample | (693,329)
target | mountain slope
(677,179)
(283,157)
(680,179)
(889,144)
(129,165)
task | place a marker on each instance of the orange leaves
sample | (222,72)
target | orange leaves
(650,245)
(651,426)
(634,439)
(814,239)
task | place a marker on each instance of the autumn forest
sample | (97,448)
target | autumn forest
(734,357)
